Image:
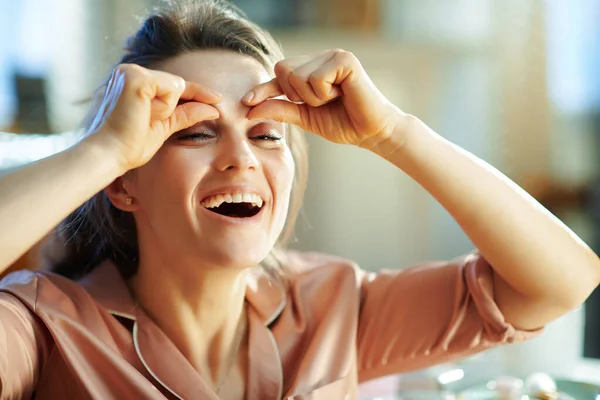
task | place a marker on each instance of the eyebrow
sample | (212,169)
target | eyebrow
(214,125)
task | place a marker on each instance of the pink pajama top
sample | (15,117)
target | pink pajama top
(331,327)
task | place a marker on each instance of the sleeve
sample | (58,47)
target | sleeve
(24,347)
(429,314)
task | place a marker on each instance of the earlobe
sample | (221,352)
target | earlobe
(120,197)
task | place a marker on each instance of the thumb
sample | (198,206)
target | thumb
(281,111)
(188,114)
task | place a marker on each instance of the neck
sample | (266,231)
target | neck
(199,309)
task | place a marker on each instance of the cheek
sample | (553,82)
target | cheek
(282,177)
(171,175)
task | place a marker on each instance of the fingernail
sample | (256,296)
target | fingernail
(216,94)
(248,97)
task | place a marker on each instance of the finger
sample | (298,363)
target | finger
(277,86)
(282,74)
(311,86)
(196,92)
(263,92)
(161,108)
(294,83)
(359,91)
(323,81)
(172,90)
(299,81)
(282,111)
(188,114)
(168,89)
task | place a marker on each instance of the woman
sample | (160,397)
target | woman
(190,180)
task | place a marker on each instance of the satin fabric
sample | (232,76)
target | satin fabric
(328,328)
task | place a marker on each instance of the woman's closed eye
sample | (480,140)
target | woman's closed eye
(196,136)
(266,136)
(201,136)
(272,135)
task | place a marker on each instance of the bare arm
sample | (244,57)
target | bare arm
(35,198)
(140,110)
(543,269)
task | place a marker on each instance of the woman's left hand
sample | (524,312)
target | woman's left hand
(331,95)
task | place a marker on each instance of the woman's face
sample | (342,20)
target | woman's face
(219,191)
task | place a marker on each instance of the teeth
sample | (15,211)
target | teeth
(217,200)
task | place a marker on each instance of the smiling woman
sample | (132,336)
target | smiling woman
(171,279)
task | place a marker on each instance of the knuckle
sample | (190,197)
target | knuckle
(179,82)
(344,56)
(121,68)
(130,69)
(315,79)
(181,117)
(135,75)
(296,79)
(282,68)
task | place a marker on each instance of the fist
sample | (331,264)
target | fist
(329,94)
(141,108)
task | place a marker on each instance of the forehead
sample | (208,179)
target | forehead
(230,74)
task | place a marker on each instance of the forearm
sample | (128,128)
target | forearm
(35,198)
(535,254)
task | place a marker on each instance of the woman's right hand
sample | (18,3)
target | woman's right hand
(143,107)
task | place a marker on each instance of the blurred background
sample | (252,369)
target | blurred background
(516,82)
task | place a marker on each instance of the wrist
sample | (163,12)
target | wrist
(99,149)
(408,144)
(395,139)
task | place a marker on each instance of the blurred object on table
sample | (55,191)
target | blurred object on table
(567,390)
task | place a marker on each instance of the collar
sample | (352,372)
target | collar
(106,285)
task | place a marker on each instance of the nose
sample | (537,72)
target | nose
(235,152)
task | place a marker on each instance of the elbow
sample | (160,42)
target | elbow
(579,277)
(583,285)
(596,280)
(594,275)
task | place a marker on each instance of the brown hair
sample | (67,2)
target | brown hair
(97,230)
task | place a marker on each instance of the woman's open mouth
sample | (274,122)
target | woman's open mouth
(234,205)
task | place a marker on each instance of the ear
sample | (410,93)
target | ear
(120,197)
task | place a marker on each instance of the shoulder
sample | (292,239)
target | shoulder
(22,284)
(320,269)
(41,288)
(300,262)
(321,290)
